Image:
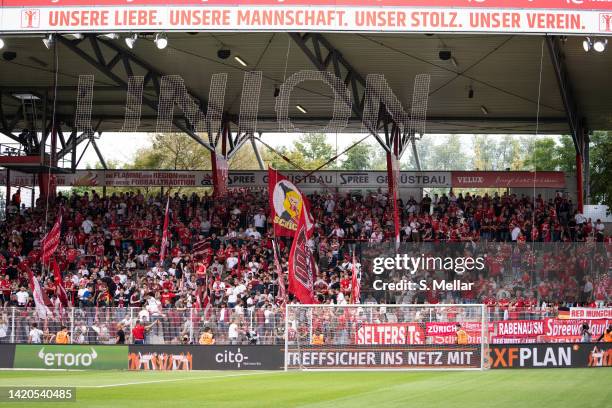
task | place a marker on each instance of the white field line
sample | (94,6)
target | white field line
(40,369)
(174,380)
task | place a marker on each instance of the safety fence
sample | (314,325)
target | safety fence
(98,325)
(265,325)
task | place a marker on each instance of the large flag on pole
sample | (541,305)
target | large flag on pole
(61,291)
(164,243)
(286,203)
(50,242)
(355,282)
(42,310)
(302,266)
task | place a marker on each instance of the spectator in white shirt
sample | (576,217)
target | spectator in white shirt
(231,261)
(22,297)
(87,225)
(252,232)
(233,332)
(36,335)
(330,205)
(580,218)
(516,231)
(259,220)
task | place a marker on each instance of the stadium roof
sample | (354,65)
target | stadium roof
(503,71)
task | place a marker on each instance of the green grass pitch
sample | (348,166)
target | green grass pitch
(543,388)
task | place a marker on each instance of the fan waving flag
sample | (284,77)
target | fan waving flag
(286,203)
(61,291)
(302,266)
(42,310)
(164,242)
(355,282)
(51,241)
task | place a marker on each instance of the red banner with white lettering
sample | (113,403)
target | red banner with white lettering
(51,241)
(588,17)
(302,265)
(450,328)
(501,4)
(557,328)
(390,334)
(446,332)
(507,179)
(588,313)
(519,328)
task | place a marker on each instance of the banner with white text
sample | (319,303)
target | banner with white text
(480,16)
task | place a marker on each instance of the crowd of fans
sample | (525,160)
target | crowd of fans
(220,254)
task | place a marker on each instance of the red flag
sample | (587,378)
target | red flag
(42,309)
(164,242)
(61,291)
(281,295)
(201,248)
(220,167)
(355,283)
(286,203)
(51,241)
(302,266)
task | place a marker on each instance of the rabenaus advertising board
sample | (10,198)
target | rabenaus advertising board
(519,328)
(484,16)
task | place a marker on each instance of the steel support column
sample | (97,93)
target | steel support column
(260,161)
(8,193)
(576,123)
(579,180)
(586,160)
(99,153)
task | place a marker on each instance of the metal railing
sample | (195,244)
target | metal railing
(91,325)
(254,325)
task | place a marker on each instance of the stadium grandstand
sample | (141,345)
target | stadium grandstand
(259,258)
